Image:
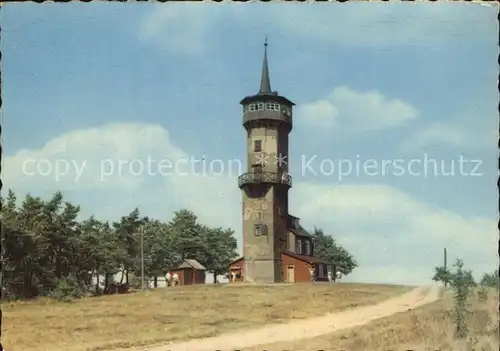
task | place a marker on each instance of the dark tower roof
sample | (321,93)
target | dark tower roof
(265,93)
(265,82)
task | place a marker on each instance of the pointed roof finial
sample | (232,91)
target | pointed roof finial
(265,83)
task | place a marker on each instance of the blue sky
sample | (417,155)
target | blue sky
(371,81)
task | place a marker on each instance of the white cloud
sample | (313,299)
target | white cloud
(356,111)
(191,28)
(388,230)
(395,237)
(319,113)
(83,158)
(464,133)
(177,28)
(381,25)
(125,159)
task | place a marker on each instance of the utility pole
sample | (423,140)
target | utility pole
(445,267)
(141,231)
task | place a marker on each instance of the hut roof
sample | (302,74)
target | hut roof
(191,263)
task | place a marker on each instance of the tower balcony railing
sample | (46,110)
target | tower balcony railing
(264,177)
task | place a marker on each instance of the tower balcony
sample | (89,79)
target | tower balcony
(264,178)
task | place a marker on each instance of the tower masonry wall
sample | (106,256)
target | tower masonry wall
(280,210)
(258,249)
(274,141)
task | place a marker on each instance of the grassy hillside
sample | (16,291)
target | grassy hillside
(427,328)
(174,314)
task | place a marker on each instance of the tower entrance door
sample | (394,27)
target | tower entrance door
(290,274)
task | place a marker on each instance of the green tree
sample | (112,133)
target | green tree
(491,280)
(128,230)
(48,251)
(462,281)
(215,248)
(40,241)
(21,252)
(448,277)
(188,235)
(219,250)
(161,249)
(102,252)
(326,248)
(442,274)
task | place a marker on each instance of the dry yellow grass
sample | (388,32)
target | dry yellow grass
(427,328)
(174,314)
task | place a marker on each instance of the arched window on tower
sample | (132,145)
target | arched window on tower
(298,247)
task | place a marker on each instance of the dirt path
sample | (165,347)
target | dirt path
(306,328)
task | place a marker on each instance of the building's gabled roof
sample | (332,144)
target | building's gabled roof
(190,263)
(237,260)
(304,258)
(301,232)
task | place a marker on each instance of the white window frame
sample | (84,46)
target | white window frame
(298,247)
(260,106)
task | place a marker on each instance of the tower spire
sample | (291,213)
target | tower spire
(265,83)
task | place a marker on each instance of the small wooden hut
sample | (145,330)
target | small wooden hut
(190,272)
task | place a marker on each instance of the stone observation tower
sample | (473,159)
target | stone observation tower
(267,118)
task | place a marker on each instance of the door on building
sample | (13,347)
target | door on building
(290,274)
(188,276)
